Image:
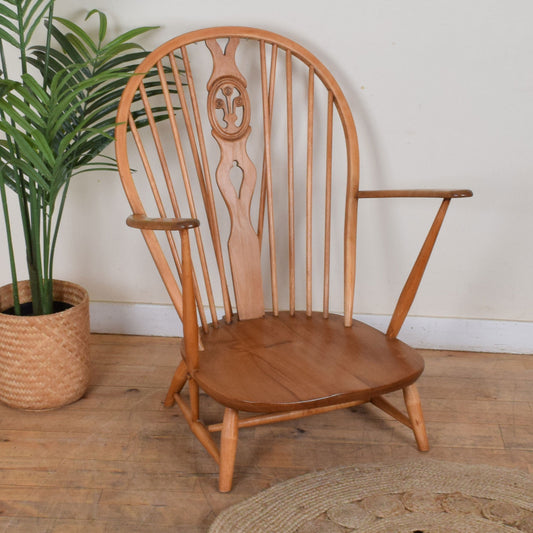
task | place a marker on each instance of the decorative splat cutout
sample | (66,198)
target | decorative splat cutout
(233,117)
(236,176)
(229,115)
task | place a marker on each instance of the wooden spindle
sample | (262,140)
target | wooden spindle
(350,219)
(309,194)
(413,281)
(185,174)
(188,122)
(159,147)
(198,429)
(290,172)
(147,166)
(157,198)
(178,382)
(271,88)
(168,181)
(210,202)
(327,209)
(162,213)
(190,326)
(259,420)
(270,200)
(228,448)
(149,236)
(194,396)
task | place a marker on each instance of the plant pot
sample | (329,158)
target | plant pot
(44,360)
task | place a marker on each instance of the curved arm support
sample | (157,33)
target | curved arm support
(186,301)
(190,324)
(166,224)
(413,281)
(416,193)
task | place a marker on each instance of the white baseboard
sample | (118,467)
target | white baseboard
(420,332)
(501,336)
(135,319)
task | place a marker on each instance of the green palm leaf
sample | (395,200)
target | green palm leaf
(34,18)
(103,23)
(81,36)
(7,12)
(8,37)
(56,123)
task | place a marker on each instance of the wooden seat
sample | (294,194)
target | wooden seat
(262,270)
(277,363)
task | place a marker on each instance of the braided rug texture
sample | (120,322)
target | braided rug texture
(412,497)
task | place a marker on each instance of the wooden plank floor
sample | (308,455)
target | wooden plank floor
(119,461)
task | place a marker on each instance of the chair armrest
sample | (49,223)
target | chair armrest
(166,224)
(416,193)
(413,281)
(186,301)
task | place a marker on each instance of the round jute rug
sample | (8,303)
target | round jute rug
(422,496)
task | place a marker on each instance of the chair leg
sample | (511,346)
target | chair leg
(178,381)
(228,449)
(414,409)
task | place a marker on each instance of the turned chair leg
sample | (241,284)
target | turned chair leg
(414,409)
(178,381)
(228,449)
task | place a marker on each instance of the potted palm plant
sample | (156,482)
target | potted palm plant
(57,107)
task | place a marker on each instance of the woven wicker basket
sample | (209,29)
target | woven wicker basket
(44,360)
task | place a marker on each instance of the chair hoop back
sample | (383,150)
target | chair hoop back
(247,112)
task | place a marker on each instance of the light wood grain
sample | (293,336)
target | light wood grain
(170,185)
(294,52)
(209,201)
(309,195)
(327,206)
(414,408)
(282,364)
(277,364)
(228,448)
(416,193)
(190,329)
(290,184)
(268,177)
(252,421)
(165,224)
(415,277)
(266,158)
(243,246)
(178,382)
(198,428)
(187,183)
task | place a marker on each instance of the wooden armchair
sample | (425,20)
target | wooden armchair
(286,164)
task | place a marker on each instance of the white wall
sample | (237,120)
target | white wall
(442,94)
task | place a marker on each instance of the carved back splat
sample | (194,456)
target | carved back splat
(227,93)
(309,156)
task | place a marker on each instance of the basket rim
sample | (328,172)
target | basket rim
(68,284)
